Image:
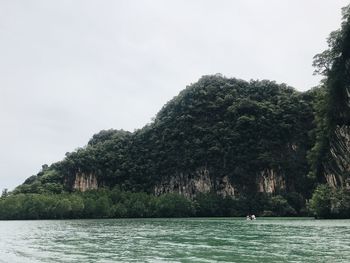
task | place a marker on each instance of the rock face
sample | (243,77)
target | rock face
(269,181)
(190,185)
(85,182)
(337,166)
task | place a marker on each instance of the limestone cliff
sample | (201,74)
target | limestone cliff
(201,181)
(337,165)
(269,181)
(190,185)
(85,182)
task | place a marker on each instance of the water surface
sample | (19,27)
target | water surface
(176,240)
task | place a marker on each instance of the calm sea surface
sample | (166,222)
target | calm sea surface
(175,240)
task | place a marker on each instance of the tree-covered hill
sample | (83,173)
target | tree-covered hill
(254,134)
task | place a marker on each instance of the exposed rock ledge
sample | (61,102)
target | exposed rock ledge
(85,182)
(190,185)
(337,167)
(270,182)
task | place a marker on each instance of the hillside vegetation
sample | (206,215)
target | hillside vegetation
(229,127)
(241,146)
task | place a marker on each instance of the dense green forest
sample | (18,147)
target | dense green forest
(274,148)
(231,127)
(114,203)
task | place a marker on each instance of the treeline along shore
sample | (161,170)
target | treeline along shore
(115,203)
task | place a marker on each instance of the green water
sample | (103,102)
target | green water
(175,240)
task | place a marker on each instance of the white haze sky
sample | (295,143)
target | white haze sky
(69,69)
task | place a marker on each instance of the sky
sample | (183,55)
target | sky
(69,69)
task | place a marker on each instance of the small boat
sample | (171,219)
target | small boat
(251,217)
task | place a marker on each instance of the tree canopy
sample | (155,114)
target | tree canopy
(231,127)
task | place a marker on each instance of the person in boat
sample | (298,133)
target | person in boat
(251,217)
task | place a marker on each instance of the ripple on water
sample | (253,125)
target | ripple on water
(175,240)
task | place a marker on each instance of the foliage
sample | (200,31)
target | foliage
(116,203)
(330,202)
(232,127)
(332,106)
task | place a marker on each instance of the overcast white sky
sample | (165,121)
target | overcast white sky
(69,69)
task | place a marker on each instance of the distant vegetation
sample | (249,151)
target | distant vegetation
(230,127)
(115,203)
(328,202)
